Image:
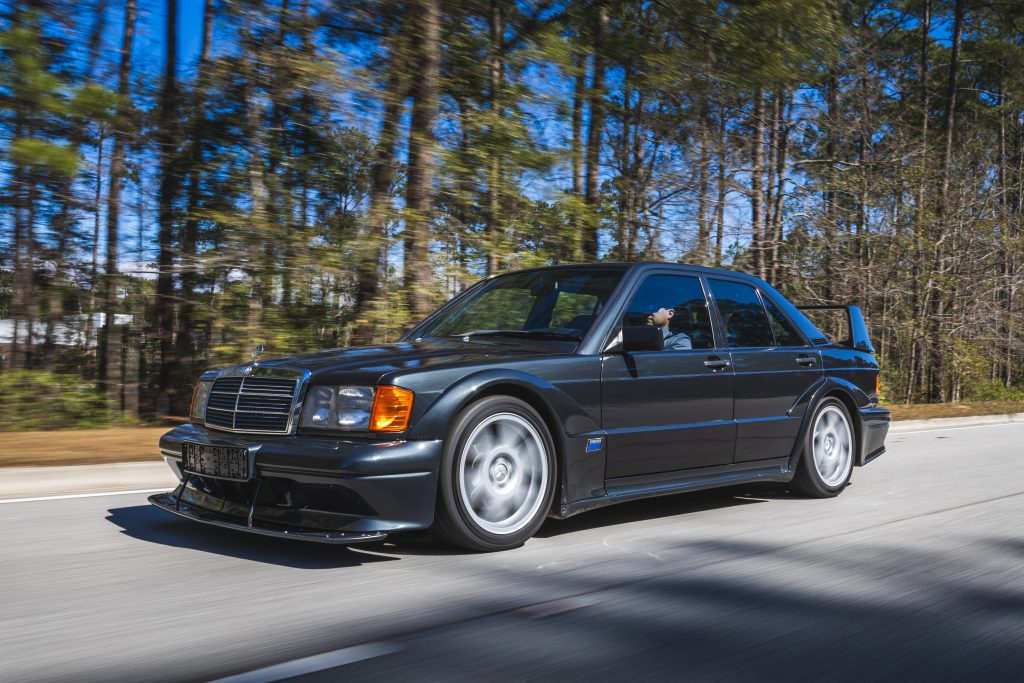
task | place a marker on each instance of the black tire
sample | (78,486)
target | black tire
(815,477)
(456,519)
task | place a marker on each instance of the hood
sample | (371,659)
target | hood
(368,364)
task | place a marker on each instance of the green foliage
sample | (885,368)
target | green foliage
(45,155)
(40,400)
(277,149)
(993,391)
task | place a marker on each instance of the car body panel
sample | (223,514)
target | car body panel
(666,411)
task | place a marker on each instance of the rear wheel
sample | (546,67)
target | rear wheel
(829,446)
(497,476)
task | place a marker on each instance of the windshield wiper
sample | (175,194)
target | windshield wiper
(541,334)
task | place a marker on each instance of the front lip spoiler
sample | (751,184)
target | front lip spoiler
(169,502)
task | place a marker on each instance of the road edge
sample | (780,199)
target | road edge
(931,424)
(63,481)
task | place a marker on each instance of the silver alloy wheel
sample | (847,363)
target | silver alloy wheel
(503,473)
(833,446)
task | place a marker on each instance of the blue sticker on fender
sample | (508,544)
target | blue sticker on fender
(594,444)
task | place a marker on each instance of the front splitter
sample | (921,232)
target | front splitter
(171,503)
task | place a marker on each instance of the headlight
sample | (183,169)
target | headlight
(338,407)
(200,395)
(384,409)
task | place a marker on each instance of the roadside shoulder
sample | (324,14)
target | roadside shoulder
(37,482)
(901,426)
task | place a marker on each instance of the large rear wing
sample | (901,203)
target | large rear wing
(844,326)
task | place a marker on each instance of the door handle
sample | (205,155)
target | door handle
(806,360)
(717,363)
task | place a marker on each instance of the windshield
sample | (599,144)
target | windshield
(561,303)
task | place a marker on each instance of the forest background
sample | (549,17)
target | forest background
(212,174)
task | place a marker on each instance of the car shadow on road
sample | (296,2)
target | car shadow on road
(663,506)
(423,544)
(735,610)
(147,523)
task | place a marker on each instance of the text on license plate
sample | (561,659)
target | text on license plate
(224,462)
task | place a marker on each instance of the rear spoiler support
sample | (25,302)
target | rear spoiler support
(859,338)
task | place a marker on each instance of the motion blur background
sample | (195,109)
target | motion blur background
(183,179)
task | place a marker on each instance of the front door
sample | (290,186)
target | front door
(668,410)
(775,370)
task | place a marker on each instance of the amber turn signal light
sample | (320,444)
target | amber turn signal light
(392,407)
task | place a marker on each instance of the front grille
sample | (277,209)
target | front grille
(251,404)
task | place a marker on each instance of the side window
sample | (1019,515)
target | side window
(676,304)
(743,316)
(785,335)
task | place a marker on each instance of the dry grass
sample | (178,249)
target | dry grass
(80,446)
(925,411)
(127,444)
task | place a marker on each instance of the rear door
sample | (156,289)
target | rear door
(671,409)
(775,369)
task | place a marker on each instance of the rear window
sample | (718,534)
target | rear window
(745,321)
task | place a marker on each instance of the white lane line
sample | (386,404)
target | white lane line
(81,495)
(308,665)
(947,429)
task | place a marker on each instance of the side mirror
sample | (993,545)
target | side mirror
(637,338)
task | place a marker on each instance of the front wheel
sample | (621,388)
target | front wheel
(497,476)
(827,459)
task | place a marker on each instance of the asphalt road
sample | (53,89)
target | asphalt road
(916,572)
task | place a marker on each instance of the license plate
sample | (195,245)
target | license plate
(223,462)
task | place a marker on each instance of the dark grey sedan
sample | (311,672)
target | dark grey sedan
(533,394)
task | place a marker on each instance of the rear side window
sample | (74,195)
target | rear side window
(676,304)
(746,324)
(785,334)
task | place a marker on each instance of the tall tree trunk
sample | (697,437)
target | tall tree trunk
(574,246)
(937,385)
(382,177)
(626,180)
(767,228)
(166,399)
(916,379)
(639,176)
(280,205)
(95,246)
(110,352)
(258,247)
(1007,239)
(419,196)
(95,43)
(703,183)
(495,68)
(722,188)
(592,181)
(781,153)
(190,236)
(831,226)
(757,185)
(579,91)
(22,264)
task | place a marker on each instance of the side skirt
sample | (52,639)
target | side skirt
(668,483)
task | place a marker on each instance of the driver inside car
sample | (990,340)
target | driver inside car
(674,341)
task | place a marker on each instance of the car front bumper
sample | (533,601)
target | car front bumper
(315,488)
